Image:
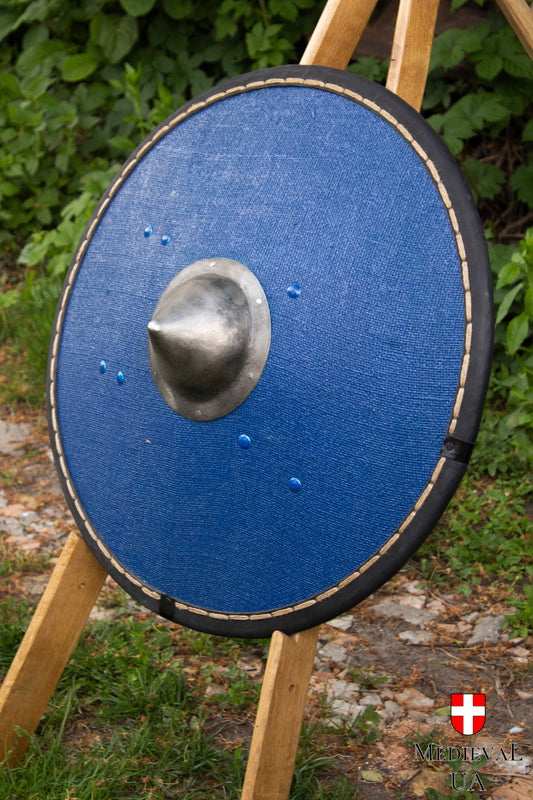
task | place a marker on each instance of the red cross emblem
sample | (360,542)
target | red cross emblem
(468,712)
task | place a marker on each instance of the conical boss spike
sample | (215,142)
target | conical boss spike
(208,339)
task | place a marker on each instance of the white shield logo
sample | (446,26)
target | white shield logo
(468,712)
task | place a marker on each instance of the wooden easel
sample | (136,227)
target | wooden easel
(78,577)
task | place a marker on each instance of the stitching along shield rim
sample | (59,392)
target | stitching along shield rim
(471,381)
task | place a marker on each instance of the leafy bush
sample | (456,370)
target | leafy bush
(506,441)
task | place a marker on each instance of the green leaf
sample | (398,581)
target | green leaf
(507,302)
(450,47)
(519,65)
(517,330)
(369,67)
(522,183)
(225,26)
(508,274)
(115,35)
(9,298)
(528,302)
(35,35)
(78,67)
(456,124)
(485,179)
(62,161)
(178,9)
(137,8)
(436,121)
(371,775)
(485,107)
(42,56)
(527,133)
(32,165)
(255,39)
(164,94)
(490,66)
(9,85)
(38,10)
(7,21)
(285,8)
(44,215)
(7,189)
(122,143)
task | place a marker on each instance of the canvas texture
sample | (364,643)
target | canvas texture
(308,189)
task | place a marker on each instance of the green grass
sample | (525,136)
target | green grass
(484,544)
(128,722)
(15,616)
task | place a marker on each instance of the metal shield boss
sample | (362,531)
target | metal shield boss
(271,352)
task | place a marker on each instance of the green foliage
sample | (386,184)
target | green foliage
(507,439)
(504,445)
(29,308)
(484,539)
(522,182)
(485,179)
(14,619)
(371,68)
(516,301)
(478,98)
(494,61)
(233,688)
(365,727)
(367,679)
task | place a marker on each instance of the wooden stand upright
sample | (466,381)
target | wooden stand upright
(48,644)
(78,577)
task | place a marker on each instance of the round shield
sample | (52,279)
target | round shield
(271,352)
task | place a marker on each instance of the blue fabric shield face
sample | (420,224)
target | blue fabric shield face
(344,208)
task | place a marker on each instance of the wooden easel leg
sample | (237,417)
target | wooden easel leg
(520,15)
(49,641)
(337,32)
(411,49)
(279,716)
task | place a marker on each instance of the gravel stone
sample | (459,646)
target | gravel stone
(522,767)
(342,623)
(28,517)
(413,698)
(341,708)
(390,711)
(342,690)
(413,587)
(370,699)
(415,637)
(335,652)
(487,629)
(414,616)
(12,435)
